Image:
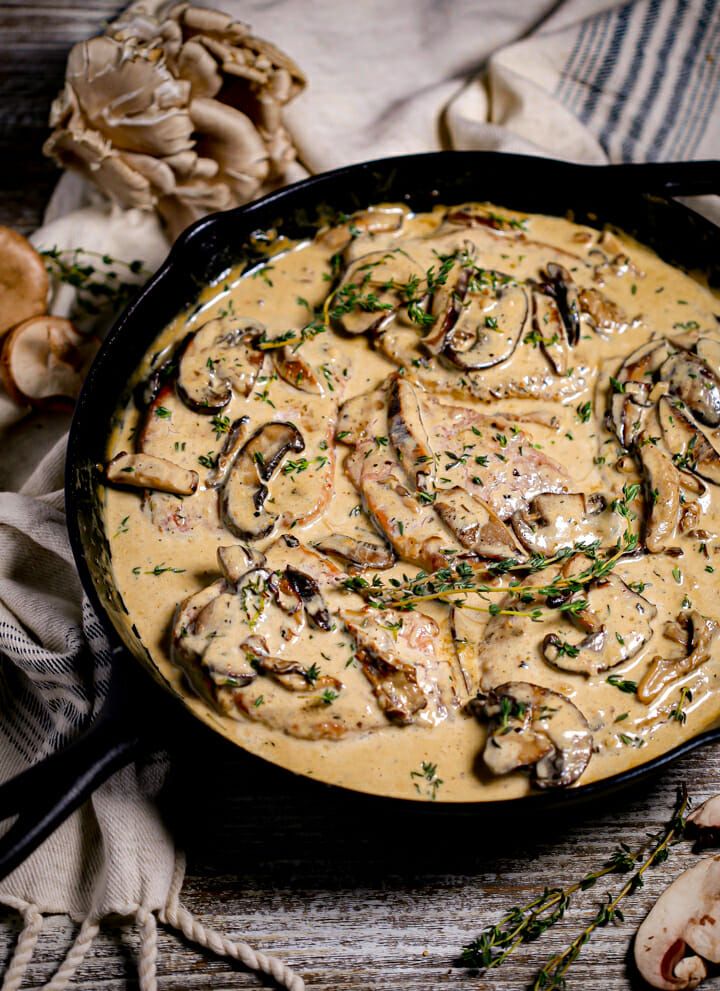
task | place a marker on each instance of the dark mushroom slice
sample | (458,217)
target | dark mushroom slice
(663,671)
(708,350)
(551,331)
(535,728)
(216,359)
(234,440)
(662,495)
(245,490)
(556,520)
(145,471)
(693,381)
(690,449)
(445,306)
(373,290)
(381,220)
(560,285)
(476,526)
(293,369)
(617,623)
(360,554)
(408,434)
(488,328)
(703,824)
(235,561)
(393,649)
(314,604)
(630,396)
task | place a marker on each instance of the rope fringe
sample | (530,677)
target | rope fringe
(174,915)
(25,946)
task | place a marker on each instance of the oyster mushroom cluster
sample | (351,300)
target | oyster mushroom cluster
(175,108)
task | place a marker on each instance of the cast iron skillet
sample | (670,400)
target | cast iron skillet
(633,197)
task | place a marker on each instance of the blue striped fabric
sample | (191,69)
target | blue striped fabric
(644,78)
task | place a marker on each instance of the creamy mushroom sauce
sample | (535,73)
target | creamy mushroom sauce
(391,439)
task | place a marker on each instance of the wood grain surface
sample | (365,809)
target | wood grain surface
(357,896)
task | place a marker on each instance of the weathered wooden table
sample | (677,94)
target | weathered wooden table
(356,897)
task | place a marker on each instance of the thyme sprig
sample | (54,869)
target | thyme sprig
(526,923)
(552,977)
(97,288)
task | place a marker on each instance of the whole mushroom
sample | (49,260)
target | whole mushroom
(686,917)
(175,108)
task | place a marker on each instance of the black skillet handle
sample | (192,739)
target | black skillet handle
(48,792)
(662,178)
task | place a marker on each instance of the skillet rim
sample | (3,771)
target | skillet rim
(190,241)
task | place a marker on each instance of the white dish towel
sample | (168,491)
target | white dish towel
(587,80)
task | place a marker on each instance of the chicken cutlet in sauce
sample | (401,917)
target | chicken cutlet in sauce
(429,505)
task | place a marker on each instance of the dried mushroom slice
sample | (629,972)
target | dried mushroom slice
(560,285)
(693,381)
(359,554)
(476,526)
(663,671)
(394,650)
(617,622)
(376,220)
(408,434)
(690,448)
(216,359)
(662,495)
(550,331)
(535,728)
(245,491)
(145,471)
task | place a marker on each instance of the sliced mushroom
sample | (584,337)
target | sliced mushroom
(685,919)
(360,554)
(708,350)
(245,490)
(378,220)
(408,434)
(308,590)
(634,381)
(557,520)
(24,280)
(551,330)
(617,622)
(145,471)
(535,728)
(374,288)
(44,360)
(560,285)
(216,359)
(234,440)
(663,671)
(292,367)
(356,414)
(237,560)
(662,495)
(488,328)
(695,383)
(476,526)
(689,447)
(392,649)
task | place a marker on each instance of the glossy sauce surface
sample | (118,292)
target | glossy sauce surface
(400,445)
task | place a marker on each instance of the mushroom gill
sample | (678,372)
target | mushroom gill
(177,109)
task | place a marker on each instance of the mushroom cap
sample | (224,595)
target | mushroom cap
(685,917)
(44,360)
(23,280)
